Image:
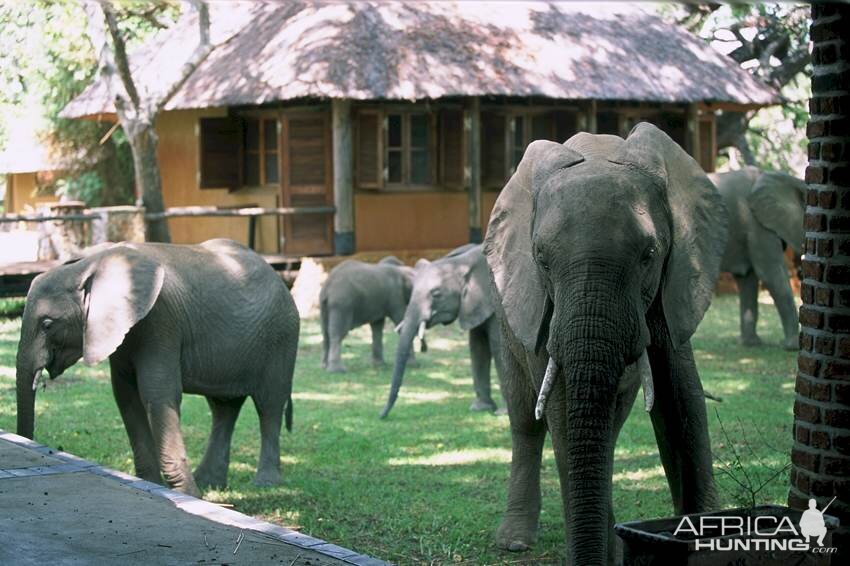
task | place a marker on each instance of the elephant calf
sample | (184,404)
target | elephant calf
(358,293)
(765,213)
(212,319)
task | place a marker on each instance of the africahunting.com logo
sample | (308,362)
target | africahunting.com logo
(758,533)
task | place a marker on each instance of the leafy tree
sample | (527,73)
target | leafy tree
(771,41)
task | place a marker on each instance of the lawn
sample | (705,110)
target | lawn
(428,484)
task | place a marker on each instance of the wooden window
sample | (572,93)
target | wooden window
(220,152)
(260,162)
(493,168)
(452,149)
(369,160)
(607,123)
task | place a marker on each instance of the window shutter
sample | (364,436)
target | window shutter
(220,152)
(453,148)
(493,149)
(369,166)
(566,125)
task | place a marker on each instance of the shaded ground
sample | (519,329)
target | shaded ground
(429,483)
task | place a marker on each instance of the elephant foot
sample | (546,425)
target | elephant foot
(335,368)
(501,412)
(210,480)
(516,534)
(480,405)
(749,341)
(267,478)
(378,363)
(791,344)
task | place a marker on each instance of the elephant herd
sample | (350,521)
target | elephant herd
(600,260)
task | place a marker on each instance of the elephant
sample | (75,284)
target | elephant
(212,319)
(604,254)
(358,293)
(766,212)
(454,287)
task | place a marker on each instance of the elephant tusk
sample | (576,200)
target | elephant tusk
(546,388)
(421,332)
(646,379)
(398,326)
(36,378)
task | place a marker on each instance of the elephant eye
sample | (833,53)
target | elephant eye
(542,263)
(649,253)
(436,292)
(46,323)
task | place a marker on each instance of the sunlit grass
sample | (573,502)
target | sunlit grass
(428,484)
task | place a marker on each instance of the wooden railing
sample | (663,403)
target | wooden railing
(251,214)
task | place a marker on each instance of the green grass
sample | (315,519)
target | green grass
(428,485)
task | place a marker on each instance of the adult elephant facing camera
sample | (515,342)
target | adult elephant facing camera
(599,255)
(454,287)
(212,319)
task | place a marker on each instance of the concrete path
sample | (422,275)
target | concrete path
(58,509)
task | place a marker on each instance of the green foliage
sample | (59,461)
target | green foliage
(428,485)
(46,60)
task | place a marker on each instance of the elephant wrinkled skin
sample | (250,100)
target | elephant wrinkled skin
(358,293)
(212,319)
(766,212)
(602,258)
(454,287)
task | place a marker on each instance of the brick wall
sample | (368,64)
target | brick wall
(821,453)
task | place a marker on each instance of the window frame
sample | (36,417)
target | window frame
(262,118)
(406,149)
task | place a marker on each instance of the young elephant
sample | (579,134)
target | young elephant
(604,253)
(212,319)
(766,212)
(358,293)
(454,287)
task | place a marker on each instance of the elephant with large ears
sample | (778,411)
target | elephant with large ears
(604,253)
(454,287)
(212,319)
(766,210)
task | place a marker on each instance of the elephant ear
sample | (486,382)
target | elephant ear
(507,246)
(699,223)
(119,290)
(476,300)
(777,200)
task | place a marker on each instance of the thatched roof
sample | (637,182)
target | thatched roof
(405,50)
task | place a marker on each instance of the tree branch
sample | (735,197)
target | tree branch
(120,52)
(201,52)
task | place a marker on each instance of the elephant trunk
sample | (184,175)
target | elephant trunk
(25,389)
(590,347)
(409,329)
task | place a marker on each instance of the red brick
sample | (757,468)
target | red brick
(835,369)
(811,317)
(841,393)
(805,459)
(797,501)
(806,412)
(823,297)
(831,151)
(802,434)
(816,130)
(812,197)
(836,466)
(819,439)
(838,274)
(827,199)
(825,247)
(808,364)
(843,349)
(806,342)
(820,487)
(839,127)
(841,443)
(840,176)
(814,148)
(825,31)
(812,270)
(807,293)
(803,482)
(816,175)
(844,298)
(837,417)
(837,323)
(839,224)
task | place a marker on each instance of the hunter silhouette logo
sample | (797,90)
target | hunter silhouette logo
(812,523)
(758,532)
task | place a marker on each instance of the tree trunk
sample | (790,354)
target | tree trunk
(148,180)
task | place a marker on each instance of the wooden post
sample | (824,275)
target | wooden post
(343,176)
(474,164)
(693,131)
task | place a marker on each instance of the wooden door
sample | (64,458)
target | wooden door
(307,180)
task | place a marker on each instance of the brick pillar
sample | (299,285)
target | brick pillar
(821,453)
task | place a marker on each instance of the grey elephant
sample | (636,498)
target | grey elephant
(604,255)
(212,319)
(766,212)
(358,293)
(454,287)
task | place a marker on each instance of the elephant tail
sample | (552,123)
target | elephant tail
(287,414)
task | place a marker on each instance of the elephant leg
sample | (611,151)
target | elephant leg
(494,338)
(681,428)
(212,471)
(325,337)
(135,420)
(748,298)
(479,349)
(338,327)
(770,268)
(518,529)
(378,342)
(270,411)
